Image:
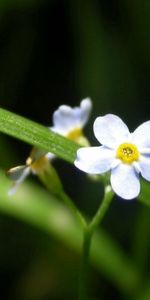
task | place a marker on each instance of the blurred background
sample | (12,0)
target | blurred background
(55,52)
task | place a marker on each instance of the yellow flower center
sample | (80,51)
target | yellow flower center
(128,153)
(75,134)
(38,165)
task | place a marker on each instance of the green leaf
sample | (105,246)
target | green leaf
(37,135)
(37,207)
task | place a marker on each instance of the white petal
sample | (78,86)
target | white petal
(141,136)
(110,130)
(63,119)
(86,107)
(18,175)
(144,165)
(66,118)
(94,160)
(50,156)
(125,181)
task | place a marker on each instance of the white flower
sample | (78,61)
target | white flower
(67,121)
(125,154)
(35,163)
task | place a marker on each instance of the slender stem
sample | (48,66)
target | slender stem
(51,181)
(87,239)
(83,278)
(88,228)
(102,209)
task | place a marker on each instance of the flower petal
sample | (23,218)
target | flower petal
(63,119)
(94,160)
(86,107)
(125,181)
(141,136)
(18,175)
(144,165)
(66,118)
(50,156)
(110,130)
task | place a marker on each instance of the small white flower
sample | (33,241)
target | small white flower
(125,154)
(69,121)
(35,163)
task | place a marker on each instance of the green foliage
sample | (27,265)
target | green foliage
(37,207)
(37,135)
(47,212)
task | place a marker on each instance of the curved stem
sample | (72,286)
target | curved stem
(52,182)
(104,205)
(83,278)
(87,239)
(50,176)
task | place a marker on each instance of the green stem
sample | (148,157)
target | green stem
(87,240)
(51,181)
(102,209)
(83,278)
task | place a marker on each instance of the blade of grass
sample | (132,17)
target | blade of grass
(37,135)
